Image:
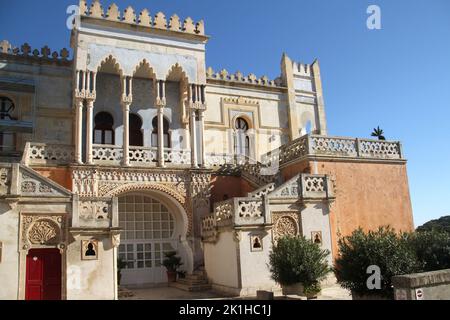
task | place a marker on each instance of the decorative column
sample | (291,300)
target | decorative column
(127,99)
(89,130)
(161,136)
(160,104)
(202,137)
(78,131)
(193,139)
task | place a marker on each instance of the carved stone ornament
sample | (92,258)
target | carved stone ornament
(43,232)
(285,224)
(115,239)
(39,230)
(98,210)
(4,177)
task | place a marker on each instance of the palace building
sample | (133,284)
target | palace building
(129,147)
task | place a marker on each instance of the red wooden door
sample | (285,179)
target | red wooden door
(43,279)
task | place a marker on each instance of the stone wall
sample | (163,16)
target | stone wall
(433,285)
(368,195)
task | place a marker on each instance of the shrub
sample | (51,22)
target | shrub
(384,248)
(172,262)
(432,249)
(298,260)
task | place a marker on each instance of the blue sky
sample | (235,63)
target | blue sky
(397,77)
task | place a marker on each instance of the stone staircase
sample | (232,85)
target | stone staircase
(195,282)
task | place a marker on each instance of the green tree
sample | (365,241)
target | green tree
(384,248)
(441,224)
(432,249)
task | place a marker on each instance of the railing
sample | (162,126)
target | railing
(179,157)
(240,211)
(313,145)
(218,159)
(304,186)
(139,156)
(143,156)
(42,153)
(107,154)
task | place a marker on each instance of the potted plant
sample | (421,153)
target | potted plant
(384,248)
(172,262)
(120,265)
(299,265)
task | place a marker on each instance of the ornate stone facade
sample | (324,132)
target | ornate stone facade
(43,231)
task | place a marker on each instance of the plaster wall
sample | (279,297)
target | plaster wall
(9,263)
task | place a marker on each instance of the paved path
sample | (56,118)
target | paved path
(168,293)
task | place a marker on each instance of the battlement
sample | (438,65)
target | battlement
(252,79)
(144,19)
(302,69)
(42,55)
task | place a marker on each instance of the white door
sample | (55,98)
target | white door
(148,233)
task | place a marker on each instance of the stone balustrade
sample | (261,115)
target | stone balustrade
(240,212)
(42,153)
(304,187)
(338,147)
(107,154)
(218,159)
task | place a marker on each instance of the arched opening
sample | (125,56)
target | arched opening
(152,226)
(7,139)
(135,131)
(166,133)
(241,138)
(103,130)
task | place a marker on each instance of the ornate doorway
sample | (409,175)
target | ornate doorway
(43,275)
(149,231)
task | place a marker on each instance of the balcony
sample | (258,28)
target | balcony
(334,147)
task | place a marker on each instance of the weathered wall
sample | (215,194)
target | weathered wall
(92,279)
(9,264)
(368,195)
(433,285)
(221,262)
(255,274)
(61,176)
(227,187)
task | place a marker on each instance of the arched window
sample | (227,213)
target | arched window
(103,131)
(136,136)
(7,139)
(242,140)
(166,134)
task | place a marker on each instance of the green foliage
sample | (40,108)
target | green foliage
(120,265)
(441,224)
(378,133)
(384,248)
(172,262)
(298,260)
(432,249)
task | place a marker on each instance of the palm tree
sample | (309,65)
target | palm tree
(377,132)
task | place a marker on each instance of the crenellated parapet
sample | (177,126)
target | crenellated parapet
(143,19)
(238,77)
(44,54)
